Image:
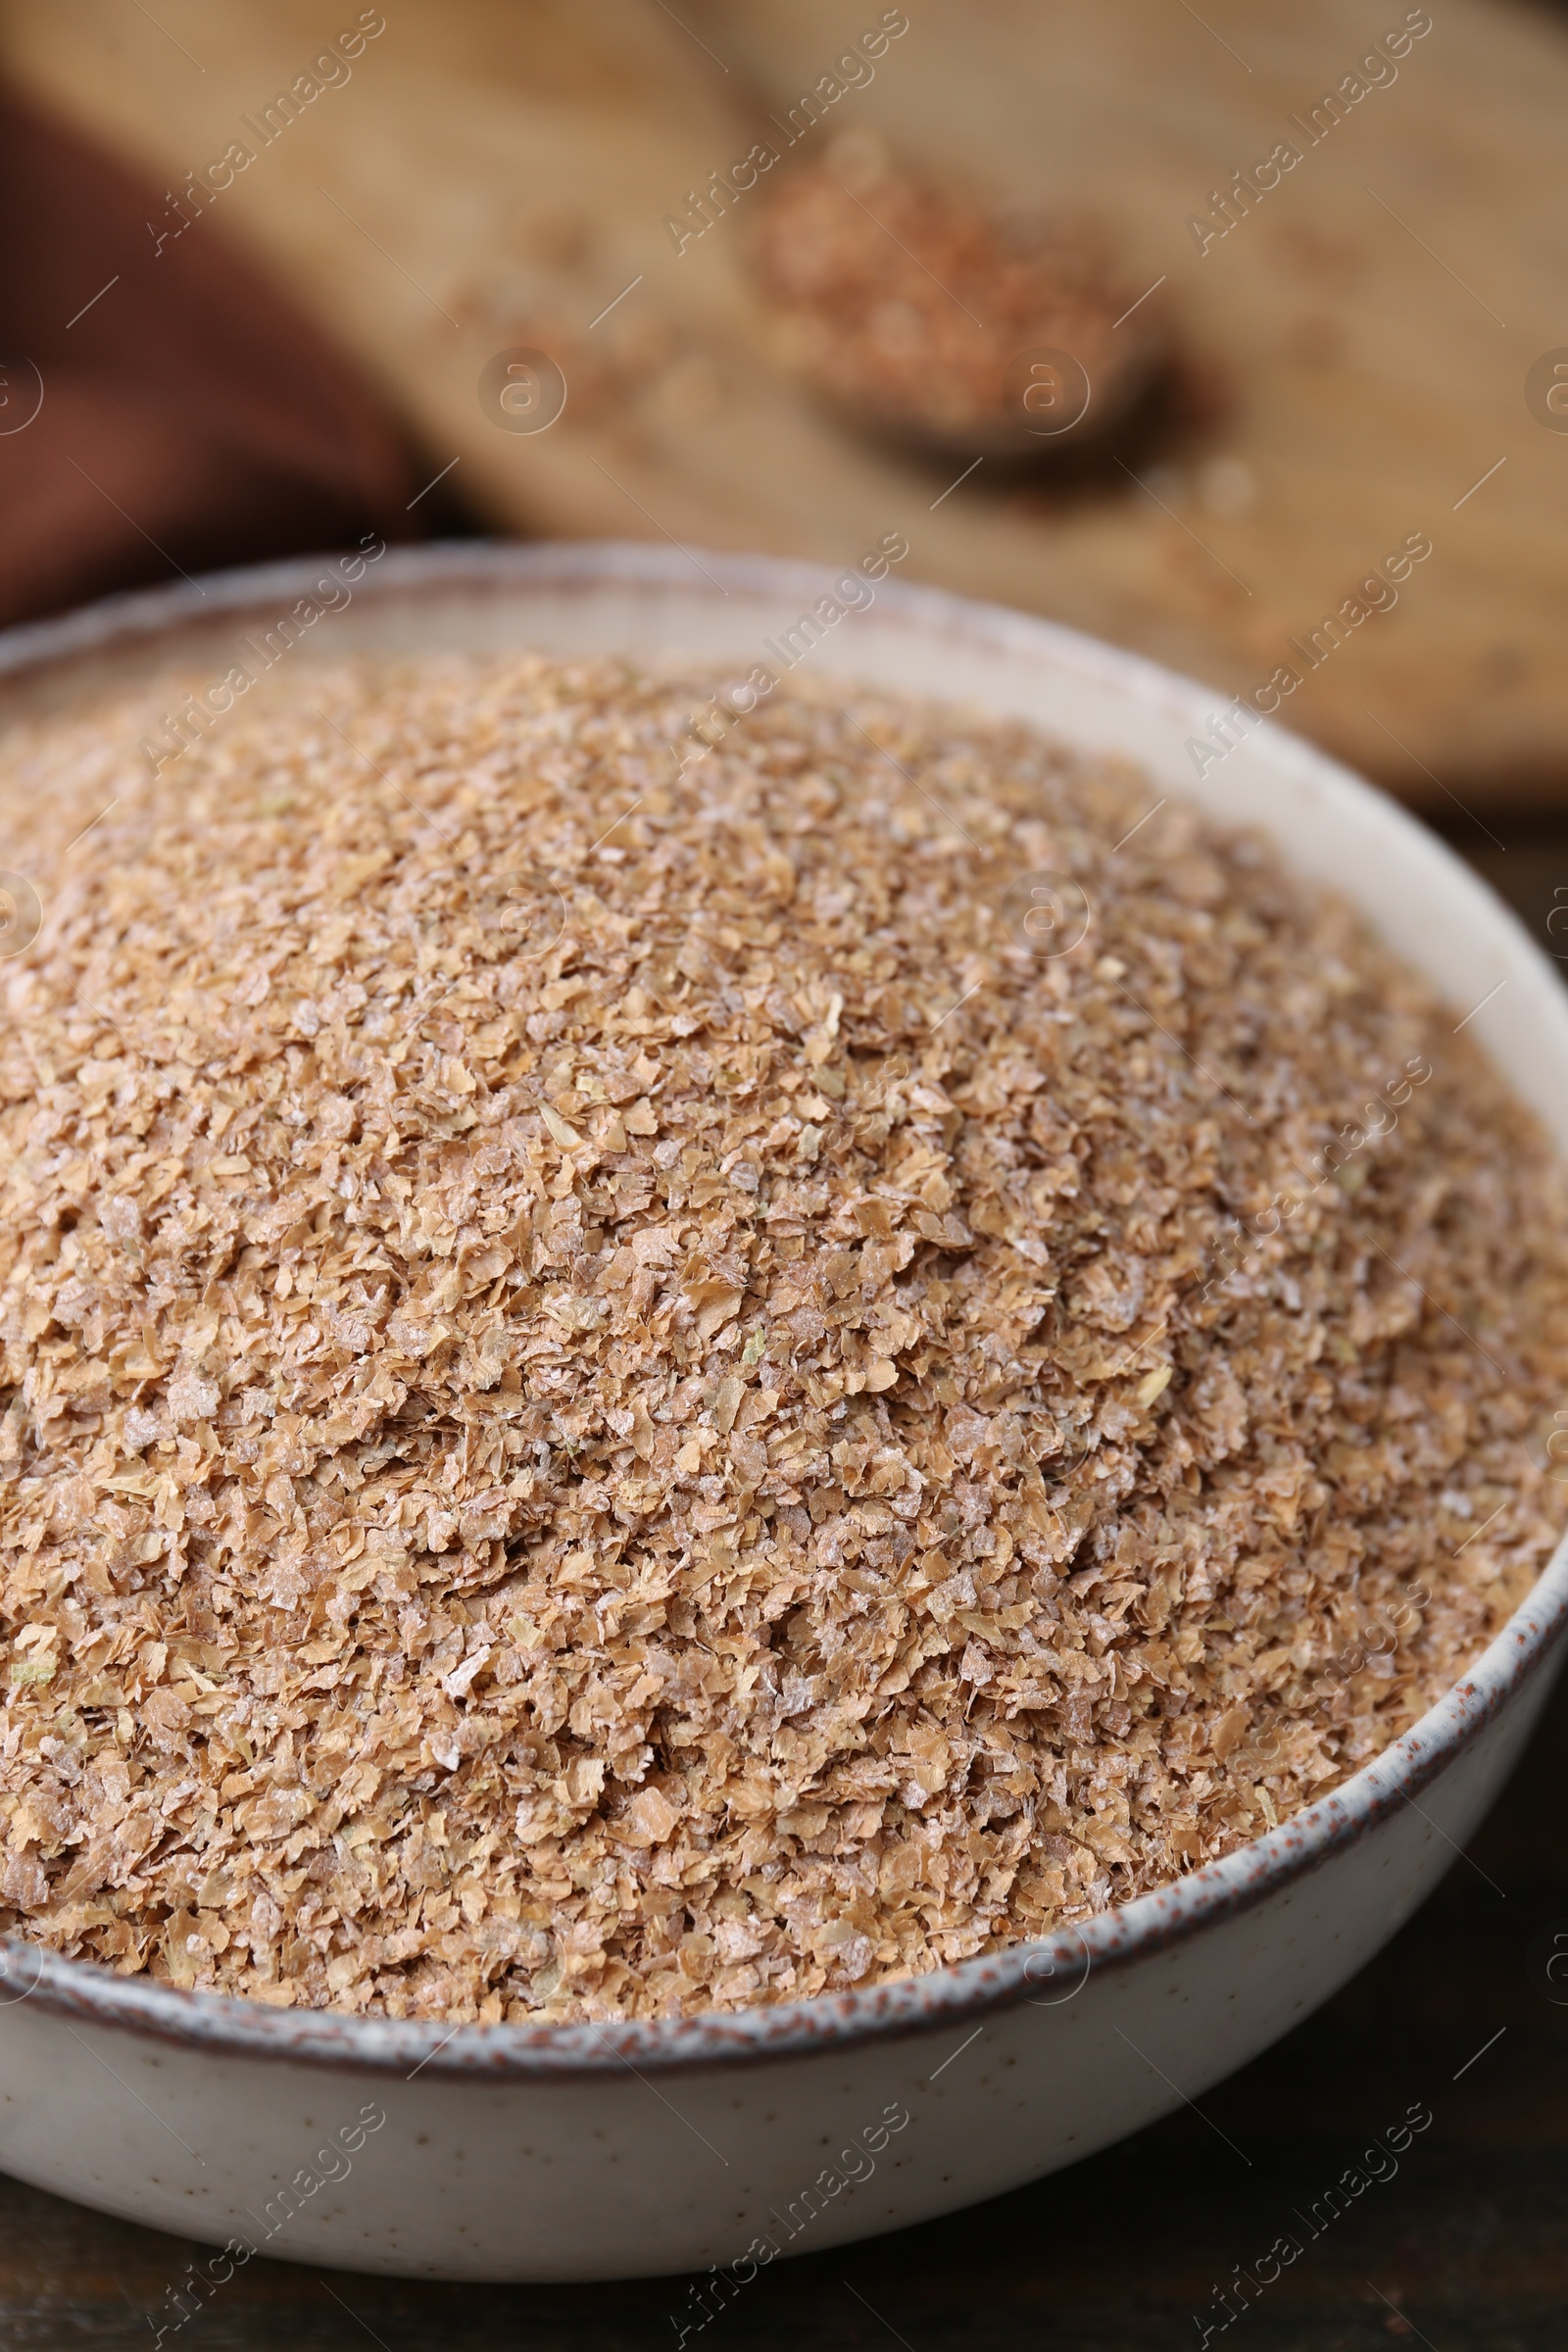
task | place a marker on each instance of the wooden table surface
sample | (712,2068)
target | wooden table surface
(1466,2250)
(498,174)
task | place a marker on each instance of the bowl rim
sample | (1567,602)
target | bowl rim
(1045,1973)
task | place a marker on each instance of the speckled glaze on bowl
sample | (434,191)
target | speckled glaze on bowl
(583,2152)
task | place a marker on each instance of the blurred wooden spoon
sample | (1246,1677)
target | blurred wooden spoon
(914,309)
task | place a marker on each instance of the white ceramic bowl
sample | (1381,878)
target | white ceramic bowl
(579,2152)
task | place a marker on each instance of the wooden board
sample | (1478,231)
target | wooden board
(493,175)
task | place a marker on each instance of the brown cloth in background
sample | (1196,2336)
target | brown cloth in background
(189,419)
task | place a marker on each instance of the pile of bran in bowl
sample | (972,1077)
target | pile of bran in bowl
(639,1384)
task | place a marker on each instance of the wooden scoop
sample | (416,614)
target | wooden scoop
(922,316)
(514,177)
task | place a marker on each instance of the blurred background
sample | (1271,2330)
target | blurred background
(1236,335)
